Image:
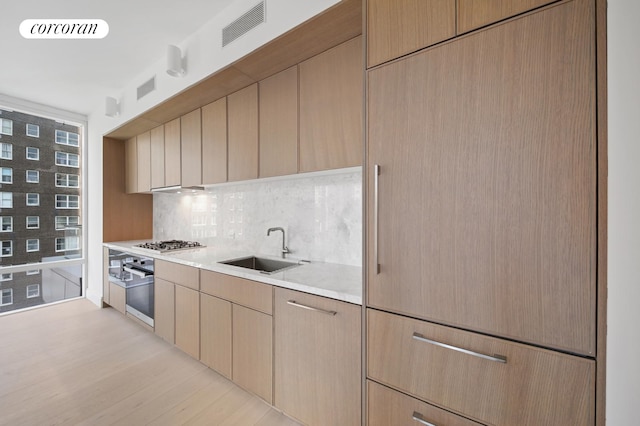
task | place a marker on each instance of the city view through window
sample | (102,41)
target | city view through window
(40,210)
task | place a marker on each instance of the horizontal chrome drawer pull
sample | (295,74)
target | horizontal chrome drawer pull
(311,308)
(496,358)
(420,419)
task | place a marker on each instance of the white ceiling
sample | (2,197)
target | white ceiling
(74,74)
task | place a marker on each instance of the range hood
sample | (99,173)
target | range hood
(177,189)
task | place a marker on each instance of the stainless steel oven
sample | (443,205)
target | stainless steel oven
(135,274)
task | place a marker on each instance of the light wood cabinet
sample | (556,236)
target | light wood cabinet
(157,157)
(105,276)
(317,376)
(493,381)
(215,334)
(242,109)
(187,320)
(474,14)
(131,166)
(214,142)
(143,161)
(164,312)
(245,292)
(331,108)
(172,162)
(398,27)
(117,297)
(279,124)
(186,276)
(191,149)
(488,144)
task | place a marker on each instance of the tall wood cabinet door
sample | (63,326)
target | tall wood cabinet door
(398,27)
(164,312)
(214,142)
(157,157)
(243,133)
(252,351)
(131,166)
(317,359)
(188,320)
(172,162)
(143,147)
(474,14)
(215,334)
(331,93)
(487,186)
(191,148)
(105,275)
(279,124)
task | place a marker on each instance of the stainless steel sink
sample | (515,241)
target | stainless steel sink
(265,266)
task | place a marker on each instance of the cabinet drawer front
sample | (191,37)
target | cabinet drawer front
(477,13)
(463,372)
(388,407)
(244,292)
(176,273)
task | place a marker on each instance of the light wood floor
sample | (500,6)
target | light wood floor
(73,363)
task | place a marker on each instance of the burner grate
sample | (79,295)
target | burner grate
(170,245)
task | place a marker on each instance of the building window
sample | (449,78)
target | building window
(33,290)
(67,159)
(67,138)
(67,201)
(7,297)
(6,151)
(6,126)
(33,176)
(33,130)
(67,181)
(33,272)
(7,248)
(6,277)
(33,199)
(63,222)
(7,223)
(33,244)
(6,200)
(33,222)
(7,175)
(67,243)
(33,153)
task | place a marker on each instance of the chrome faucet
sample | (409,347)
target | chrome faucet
(285,249)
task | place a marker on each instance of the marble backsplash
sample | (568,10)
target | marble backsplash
(321,214)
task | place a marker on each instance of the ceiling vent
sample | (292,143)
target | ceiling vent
(254,17)
(147,87)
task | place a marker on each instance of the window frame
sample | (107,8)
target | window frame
(2,291)
(2,219)
(2,199)
(9,150)
(67,161)
(37,127)
(26,222)
(37,175)
(2,181)
(26,154)
(2,248)
(67,203)
(64,240)
(66,224)
(2,127)
(9,278)
(66,138)
(37,286)
(37,243)
(66,176)
(26,197)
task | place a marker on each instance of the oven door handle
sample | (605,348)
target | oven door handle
(135,271)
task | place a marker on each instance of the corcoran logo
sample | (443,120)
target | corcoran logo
(64,28)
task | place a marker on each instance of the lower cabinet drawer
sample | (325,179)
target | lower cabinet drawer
(490,380)
(387,407)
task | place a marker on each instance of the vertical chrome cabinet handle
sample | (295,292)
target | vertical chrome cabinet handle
(376,208)
(496,358)
(420,419)
(311,308)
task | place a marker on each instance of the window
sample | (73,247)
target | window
(7,223)
(33,153)
(67,243)
(7,297)
(6,277)
(63,222)
(33,290)
(33,272)
(33,176)
(67,159)
(6,126)
(67,181)
(33,130)
(6,200)
(7,248)
(6,151)
(67,138)
(33,222)
(67,201)
(7,175)
(33,244)
(33,199)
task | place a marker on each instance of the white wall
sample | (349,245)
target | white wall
(623,339)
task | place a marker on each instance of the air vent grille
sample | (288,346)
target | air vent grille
(147,87)
(254,17)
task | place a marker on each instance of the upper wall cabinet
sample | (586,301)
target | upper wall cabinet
(157,157)
(143,148)
(474,14)
(191,149)
(243,133)
(398,27)
(279,124)
(172,174)
(214,142)
(331,117)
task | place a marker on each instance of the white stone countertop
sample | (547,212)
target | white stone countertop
(340,282)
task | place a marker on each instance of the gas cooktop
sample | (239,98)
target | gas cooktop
(170,245)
